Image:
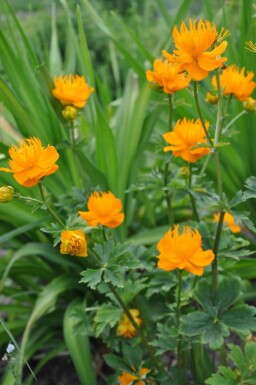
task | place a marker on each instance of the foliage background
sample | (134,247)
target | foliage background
(112,43)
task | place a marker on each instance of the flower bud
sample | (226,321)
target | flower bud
(210,98)
(184,172)
(69,113)
(6,194)
(250,104)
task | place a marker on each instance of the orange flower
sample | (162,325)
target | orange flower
(128,378)
(168,76)
(185,136)
(125,327)
(183,251)
(235,82)
(193,46)
(30,162)
(73,242)
(71,90)
(229,220)
(104,209)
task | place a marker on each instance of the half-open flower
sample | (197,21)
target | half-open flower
(125,327)
(30,162)
(71,90)
(73,242)
(235,82)
(104,209)
(168,76)
(187,140)
(229,220)
(183,251)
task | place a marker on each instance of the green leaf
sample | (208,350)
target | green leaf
(241,318)
(92,277)
(78,346)
(227,376)
(106,315)
(212,330)
(115,276)
(117,363)
(166,340)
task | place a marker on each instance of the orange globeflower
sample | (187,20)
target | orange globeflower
(183,251)
(128,378)
(185,136)
(193,46)
(104,209)
(229,220)
(30,162)
(73,242)
(71,90)
(125,327)
(235,82)
(168,76)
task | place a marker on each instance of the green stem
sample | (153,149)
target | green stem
(219,186)
(200,114)
(73,147)
(53,214)
(218,121)
(192,199)
(179,339)
(215,250)
(234,120)
(28,199)
(170,112)
(168,194)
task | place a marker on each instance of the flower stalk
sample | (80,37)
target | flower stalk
(200,114)
(50,210)
(167,193)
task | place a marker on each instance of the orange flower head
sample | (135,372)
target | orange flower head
(30,162)
(125,327)
(183,251)
(235,82)
(73,242)
(104,209)
(186,135)
(168,76)
(128,378)
(192,48)
(71,90)
(230,222)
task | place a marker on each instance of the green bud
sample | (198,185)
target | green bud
(69,113)
(6,194)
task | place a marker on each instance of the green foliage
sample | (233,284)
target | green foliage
(244,371)
(115,260)
(219,316)
(78,346)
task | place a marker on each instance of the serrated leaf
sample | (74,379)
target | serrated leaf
(117,363)
(92,277)
(106,315)
(226,377)
(241,318)
(166,340)
(115,277)
(227,293)
(212,330)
